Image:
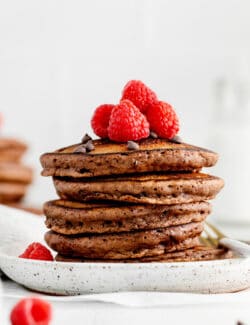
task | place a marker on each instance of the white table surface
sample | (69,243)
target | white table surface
(100,313)
(105,313)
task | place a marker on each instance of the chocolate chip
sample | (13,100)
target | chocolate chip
(176,139)
(239,323)
(153,135)
(133,145)
(86,138)
(89,146)
(80,149)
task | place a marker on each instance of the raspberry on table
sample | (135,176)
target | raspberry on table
(127,123)
(163,120)
(139,94)
(100,120)
(31,311)
(37,251)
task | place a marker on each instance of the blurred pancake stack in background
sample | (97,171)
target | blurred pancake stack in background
(15,177)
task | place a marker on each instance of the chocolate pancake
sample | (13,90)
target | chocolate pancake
(126,245)
(14,172)
(11,149)
(11,192)
(197,253)
(110,158)
(150,189)
(69,218)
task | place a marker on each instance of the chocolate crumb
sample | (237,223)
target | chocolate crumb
(176,139)
(80,149)
(239,323)
(86,138)
(153,135)
(89,146)
(133,145)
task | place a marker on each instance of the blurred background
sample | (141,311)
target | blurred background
(61,59)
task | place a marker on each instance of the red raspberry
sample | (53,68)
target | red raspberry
(139,94)
(37,251)
(163,120)
(31,311)
(127,123)
(100,120)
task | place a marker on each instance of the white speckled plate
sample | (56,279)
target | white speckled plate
(18,229)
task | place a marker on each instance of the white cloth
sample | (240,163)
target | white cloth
(135,308)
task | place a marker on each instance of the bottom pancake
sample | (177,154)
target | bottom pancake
(126,245)
(197,253)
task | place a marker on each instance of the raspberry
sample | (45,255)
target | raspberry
(100,120)
(37,251)
(163,120)
(127,123)
(139,94)
(31,311)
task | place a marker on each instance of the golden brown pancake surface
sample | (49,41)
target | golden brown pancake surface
(197,253)
(66,217)
(147,189)
(109,158)
(123,245)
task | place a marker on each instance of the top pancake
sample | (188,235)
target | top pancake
(110,158)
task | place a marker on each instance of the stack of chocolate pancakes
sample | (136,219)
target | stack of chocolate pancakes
(14,176)
(135,202)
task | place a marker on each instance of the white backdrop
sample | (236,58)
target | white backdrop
(60,59)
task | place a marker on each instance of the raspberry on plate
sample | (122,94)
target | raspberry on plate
(139,94)
(100,120)
(127,123)
(31,311)
(37,251)
(163,120)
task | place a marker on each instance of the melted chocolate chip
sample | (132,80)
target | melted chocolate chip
(176,139)
(86,138)
(133,145)
(80,149)
(89,146)
(153,135)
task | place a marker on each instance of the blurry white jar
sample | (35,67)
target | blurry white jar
(231,139)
